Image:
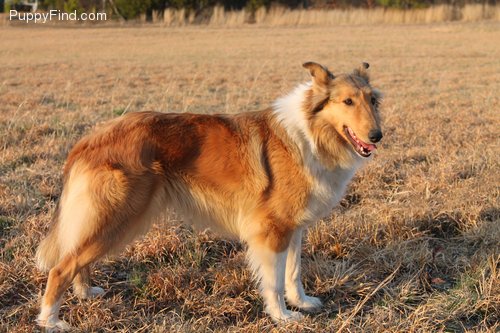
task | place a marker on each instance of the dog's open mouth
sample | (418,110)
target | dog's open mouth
(362,148)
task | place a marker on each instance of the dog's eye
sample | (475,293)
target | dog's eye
(348,101)
(374,101)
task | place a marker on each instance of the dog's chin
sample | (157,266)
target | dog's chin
(362,148)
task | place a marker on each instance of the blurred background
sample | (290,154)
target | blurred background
(270,12)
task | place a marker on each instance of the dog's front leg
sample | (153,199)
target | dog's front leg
(269,267)
(294,290)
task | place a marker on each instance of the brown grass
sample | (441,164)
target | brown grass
(413,247)
(283,17)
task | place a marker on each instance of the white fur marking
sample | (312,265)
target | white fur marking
(49,318)
(269,268)
(289,110)
(85,292)
(293,285)
(328,188)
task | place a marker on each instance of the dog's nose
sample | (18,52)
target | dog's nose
(375,135)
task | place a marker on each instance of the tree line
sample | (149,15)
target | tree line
(130,9)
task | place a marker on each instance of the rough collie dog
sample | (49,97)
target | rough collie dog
(261,177)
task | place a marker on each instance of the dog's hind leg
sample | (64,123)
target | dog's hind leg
(294,290)
(82,287)
(60,277)
(101,212)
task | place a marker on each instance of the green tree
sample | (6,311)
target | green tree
(71,6)
(405,4)
(130,9)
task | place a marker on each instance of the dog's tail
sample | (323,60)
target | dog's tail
(72,220)
(48,253)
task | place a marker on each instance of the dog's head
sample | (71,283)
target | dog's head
(347,104)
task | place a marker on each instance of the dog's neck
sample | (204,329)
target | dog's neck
(289,112)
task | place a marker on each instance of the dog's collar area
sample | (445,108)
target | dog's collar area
(362,148)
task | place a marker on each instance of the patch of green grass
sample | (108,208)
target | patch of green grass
(119,111)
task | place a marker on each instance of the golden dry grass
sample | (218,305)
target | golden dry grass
(413,247)
(278,16)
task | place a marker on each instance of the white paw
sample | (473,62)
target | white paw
(308,303)
(53,325)
(89,292)
(287,316)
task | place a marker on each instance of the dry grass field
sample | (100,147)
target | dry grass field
(413,247)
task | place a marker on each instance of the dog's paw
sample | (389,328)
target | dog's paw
(308,303)
(53,325)
(60,326)
(88,293)
(287,316)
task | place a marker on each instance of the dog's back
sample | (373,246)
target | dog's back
(216,170)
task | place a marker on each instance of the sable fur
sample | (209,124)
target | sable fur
(261,177)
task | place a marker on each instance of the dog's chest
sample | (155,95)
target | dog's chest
(327,189)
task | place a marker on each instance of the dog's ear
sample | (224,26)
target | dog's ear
(319,93)
(321,76)
(362,71)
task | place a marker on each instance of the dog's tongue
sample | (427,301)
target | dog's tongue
(368,146)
